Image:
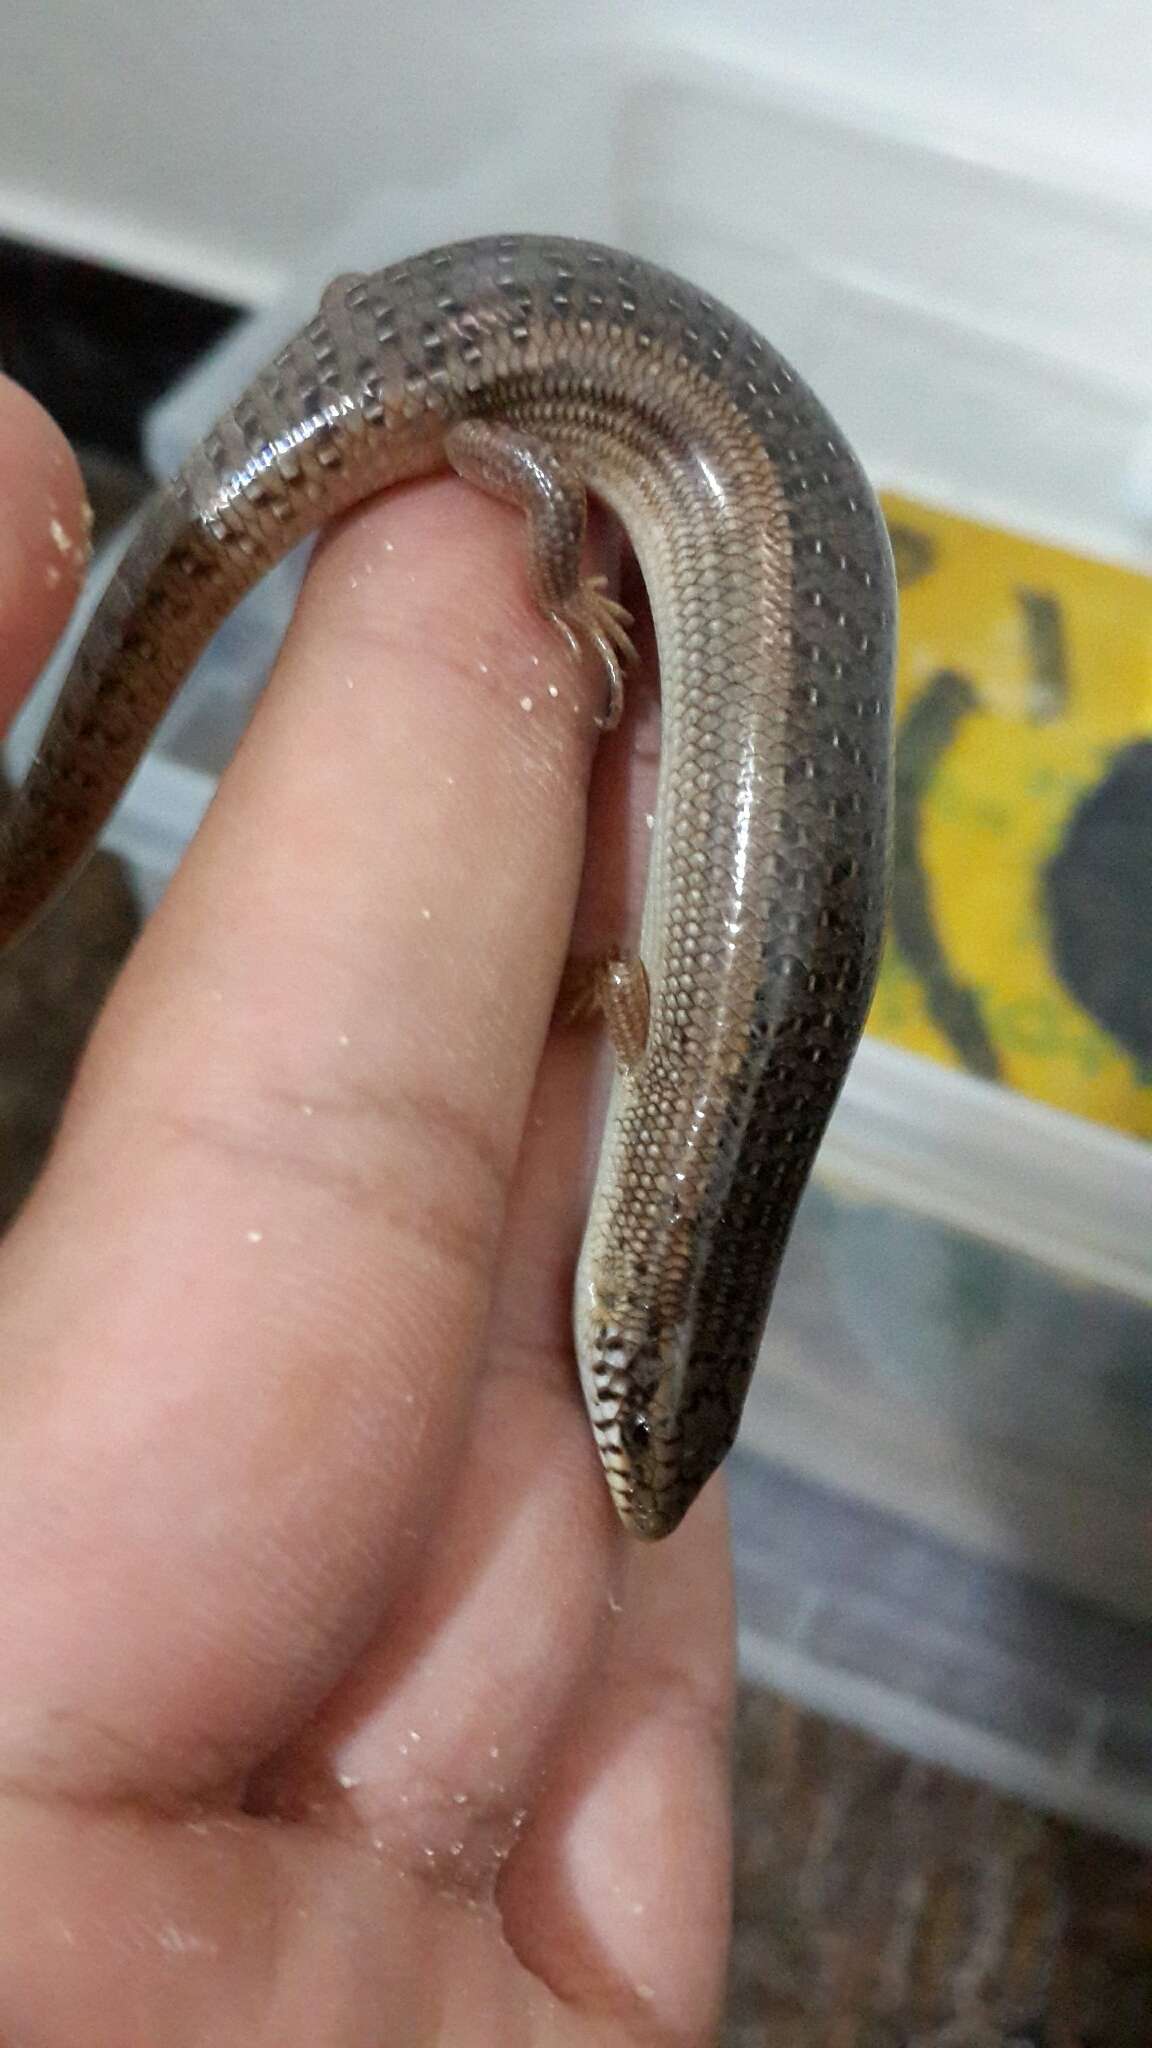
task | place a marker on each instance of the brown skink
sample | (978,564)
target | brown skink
(541,368)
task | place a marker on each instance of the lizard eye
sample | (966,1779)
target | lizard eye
(636,1431)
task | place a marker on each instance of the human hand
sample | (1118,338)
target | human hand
(336,1707)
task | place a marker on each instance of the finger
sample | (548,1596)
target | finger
(436,1745)
(44,525)
(241,1312)
(618,1896)
(509,1646)
(439,1738)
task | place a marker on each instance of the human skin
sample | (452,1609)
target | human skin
(336,1707)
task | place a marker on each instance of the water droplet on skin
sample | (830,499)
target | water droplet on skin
(180,1942)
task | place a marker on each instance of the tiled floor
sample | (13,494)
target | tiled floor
(882,1903)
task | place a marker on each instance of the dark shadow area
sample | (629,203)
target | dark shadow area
(97,347)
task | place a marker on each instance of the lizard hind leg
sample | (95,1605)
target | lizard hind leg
(521,470)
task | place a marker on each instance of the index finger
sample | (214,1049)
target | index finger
(238,1315)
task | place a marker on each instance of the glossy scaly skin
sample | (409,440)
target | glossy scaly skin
(770,583)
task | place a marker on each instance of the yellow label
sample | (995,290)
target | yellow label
(1019,947)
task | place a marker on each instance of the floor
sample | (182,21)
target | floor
(882,1903)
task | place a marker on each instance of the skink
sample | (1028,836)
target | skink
(542,367)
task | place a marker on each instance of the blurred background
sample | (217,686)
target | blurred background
(943,214)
